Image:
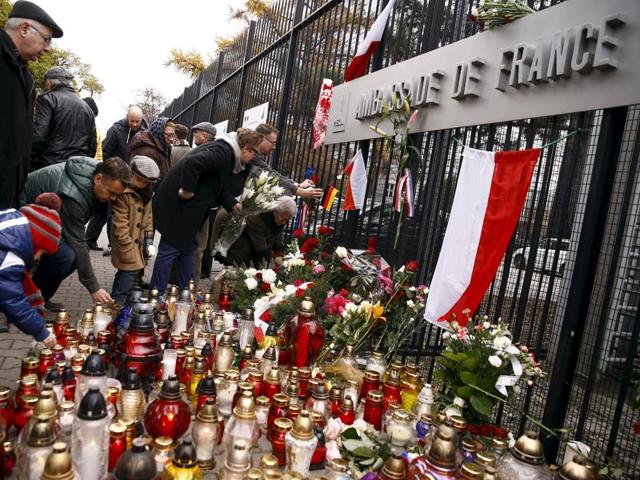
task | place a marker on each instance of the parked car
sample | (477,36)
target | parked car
(548,249)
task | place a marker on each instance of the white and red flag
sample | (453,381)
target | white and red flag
(490,194)
(321,117)
(404,193)
(359,63)
(356,183)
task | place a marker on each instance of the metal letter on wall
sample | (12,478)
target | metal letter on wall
(578,55)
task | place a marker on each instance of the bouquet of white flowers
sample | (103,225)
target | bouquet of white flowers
(261,194)
(489,14)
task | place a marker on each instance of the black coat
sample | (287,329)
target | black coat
(16,121)
(116,142)
(202,171)
(64,127)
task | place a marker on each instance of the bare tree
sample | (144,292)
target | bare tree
(150,101)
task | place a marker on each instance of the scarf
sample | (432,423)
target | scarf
(231,140)
(145,193)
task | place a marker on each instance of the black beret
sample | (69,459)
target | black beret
(25,9)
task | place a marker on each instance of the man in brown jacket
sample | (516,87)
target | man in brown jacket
(132,227)
(155,143)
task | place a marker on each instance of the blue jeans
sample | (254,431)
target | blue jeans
(53,269)
(167,255)
(122,283)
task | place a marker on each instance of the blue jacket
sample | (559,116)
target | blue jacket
(16,254)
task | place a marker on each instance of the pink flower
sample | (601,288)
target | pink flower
(318,268)
(332,450)
(333,429)
(335,304)
(386,283)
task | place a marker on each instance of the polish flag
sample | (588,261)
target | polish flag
(359,63)
(356,184)
(492,188)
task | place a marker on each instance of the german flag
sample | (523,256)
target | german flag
(328,197)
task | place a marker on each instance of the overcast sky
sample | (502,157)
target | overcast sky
(127,42)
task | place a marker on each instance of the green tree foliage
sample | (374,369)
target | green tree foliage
(85,81)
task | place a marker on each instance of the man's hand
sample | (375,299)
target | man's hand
(237,208)
(151,250)
(50,341)
(102,296)
(307,184)
(310,192)
(185,195)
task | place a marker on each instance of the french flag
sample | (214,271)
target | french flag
(491,191)
(356,184)
(359,63)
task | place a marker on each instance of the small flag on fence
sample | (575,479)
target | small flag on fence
(321,117)
(303,216)
(404,193)
(328,197)
(357,183)
(359,63)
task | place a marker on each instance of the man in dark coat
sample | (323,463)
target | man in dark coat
(156,143)
(193,186)
(115,144)
(64,125)
(26,37)
(80,182)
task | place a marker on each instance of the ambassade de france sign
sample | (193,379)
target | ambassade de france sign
(576,56)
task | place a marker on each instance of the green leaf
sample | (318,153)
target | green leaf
(367,462)
(481,404)
(362,452)
(468,378)
(464,392)
(350,434)
(352,445)
(471,363)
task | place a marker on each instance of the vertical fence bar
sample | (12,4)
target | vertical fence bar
(288,80)
(243,74)
(215,87)
(582,281)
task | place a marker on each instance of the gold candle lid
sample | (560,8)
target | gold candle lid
(240,455)
(489,473)
(262,401)
(294,411)
(163,443)
(232,375)
(375,396)
(444,448)
(339,465)
(528,449)
(576,469)
(255,375)
(283,424)
(67,406)
(394,468)
(118,428)
(191,351)
(254,474)
(273,377)
(303,426)
(269,461)
(225,341)
(30,400)
(335,394)
(47,404)
(46,353)
(347,404)
(41,434)
(471,471)
(245,387)
(293,390)
(246,407)
(30,362)
(307,308)
(5,393)
(305,372)
(486,458)
(281,400)
(402,415)
(209,412)
(59,465)
(469,445)
(372,375)
(62,316)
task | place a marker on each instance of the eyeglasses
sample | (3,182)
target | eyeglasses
(272,143)
(47,38)
(169,135)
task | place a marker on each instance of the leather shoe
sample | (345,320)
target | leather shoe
(52,306)
(106,252)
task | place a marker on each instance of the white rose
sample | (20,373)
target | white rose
(360,425)
(250,272)
(401,269)
(501,342)
(290,290)
(333,429)
(341,252)
(495,361)
(277,191)
(251,283)
(410,304)
(269,276)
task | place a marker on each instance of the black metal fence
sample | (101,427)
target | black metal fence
(569,284)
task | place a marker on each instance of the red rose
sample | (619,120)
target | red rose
(486,430)
(265,287)
(266,316)
(411,265)
(315,179)
(500,432)
(300,293)
(259,275)
(309,244)
(371,245)
(346,268)
(298,232)
(344,292)
(473,429)
(322,230)
(324,255)
(297,282)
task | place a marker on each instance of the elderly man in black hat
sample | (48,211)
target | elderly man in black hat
(26,37)
(64,125)
(203,132)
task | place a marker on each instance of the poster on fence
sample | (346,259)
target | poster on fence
(255,116)
(221,128)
